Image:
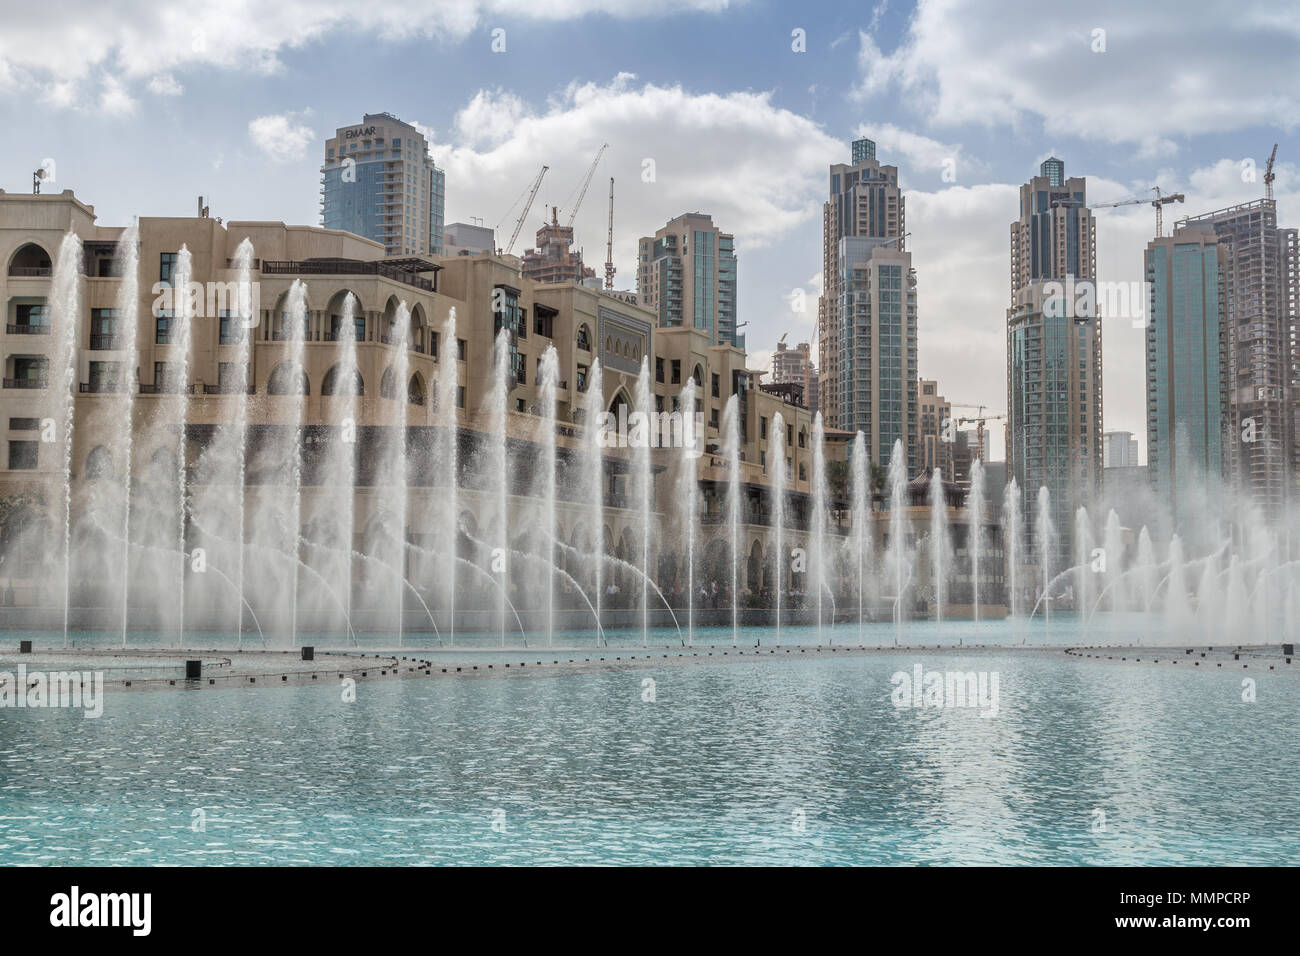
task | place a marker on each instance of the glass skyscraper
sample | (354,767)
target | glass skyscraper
(1054,402)
(379,181)
(1187,399)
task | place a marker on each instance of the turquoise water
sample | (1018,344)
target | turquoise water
(721,767)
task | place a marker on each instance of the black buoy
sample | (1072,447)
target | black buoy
(193,670)
(24,647)
(308,652)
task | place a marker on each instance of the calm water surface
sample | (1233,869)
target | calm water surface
(733,762)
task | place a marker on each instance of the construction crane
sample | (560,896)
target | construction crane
(609,242)
(979,421)
(1268,174)
(527,206)
(1159,203)
(585,183)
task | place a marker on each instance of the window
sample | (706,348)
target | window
(584,339)
(104,375)
(103,329)
(460,394)
(582,378)
(433,344)
(30,371)
(716,386)
(659,370)
(229,333)
(166,376)
(33,319)
(231,376)
(519,405)
(713,417)
(24,424)
(544,322)
(23,455)
(462,350)
(677,372)
(762,422)
(358,327)
(167,266)
(163,328)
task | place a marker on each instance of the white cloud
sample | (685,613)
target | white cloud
(1166,72)
(928,159)
(114,99)
(164,84)
(756,168)
(139,39)
(281,136)
(489,118)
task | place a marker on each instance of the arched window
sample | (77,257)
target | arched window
(387,386)
(30,260)
(338,381)
(584,338)
(415,390)
(620,400)
(99,463)
(282,381)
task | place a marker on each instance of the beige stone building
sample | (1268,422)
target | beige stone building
(206,390)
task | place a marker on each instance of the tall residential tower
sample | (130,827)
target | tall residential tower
(866,318)
(1187,394)
(379,181)
(686,273)
(1054,348)
(1262,287)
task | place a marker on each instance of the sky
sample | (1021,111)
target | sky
(741,105)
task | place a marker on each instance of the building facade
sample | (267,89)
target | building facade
(1120,450)
(379,181)
(140,396)
(554,259)
(1054,376)
(1262,291)
(866,316)
(686,275)
(795,366)
(936,429)
(1186,388)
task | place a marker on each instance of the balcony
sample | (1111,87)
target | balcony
(30,272)
(26,382)
(27,329)
(165,389)
(228,388)
(106,341)
(100,388)
(406,271)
